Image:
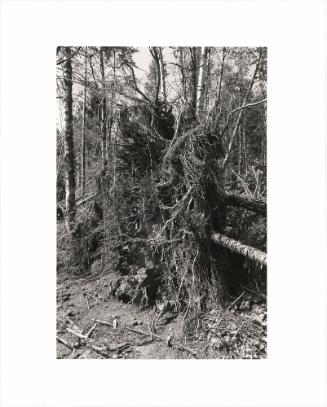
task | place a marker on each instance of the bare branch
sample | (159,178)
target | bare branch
(248,105)
(61,61)
(135,83)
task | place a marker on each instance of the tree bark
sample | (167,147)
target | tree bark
(83,129)
(240,152)
(69,141)
(244,150)
(194,76)
(263,139)
(254,205)
(163,76)
(202,79)
(206,97)
(103,114)
(218,96)
(236,247)
(182,70)
(155,56)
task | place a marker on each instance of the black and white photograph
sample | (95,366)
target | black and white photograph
(161,202)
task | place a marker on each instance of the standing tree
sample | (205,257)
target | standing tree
(84,127)
(103,112)
(69,139)
(163,75)
(202,80)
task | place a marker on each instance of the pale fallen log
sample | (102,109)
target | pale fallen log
(240,248)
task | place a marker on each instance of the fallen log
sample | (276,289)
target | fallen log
(255,205)
(240,248)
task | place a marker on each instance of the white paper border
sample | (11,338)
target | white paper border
(294,372)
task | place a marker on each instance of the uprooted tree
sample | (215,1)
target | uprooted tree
(174,168)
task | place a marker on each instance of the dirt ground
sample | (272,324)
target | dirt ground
(91,324)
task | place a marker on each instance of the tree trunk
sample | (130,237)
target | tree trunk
(163,76)
(194,76)
(69,142)
(206,98)
(112,134)
(240,152)
(244,150)
(201,80)
(254,205)
(236,247)
(155,56)
(181,64)
(263,139)
(263,151)
(218,95)
(83,130)
(103,114)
